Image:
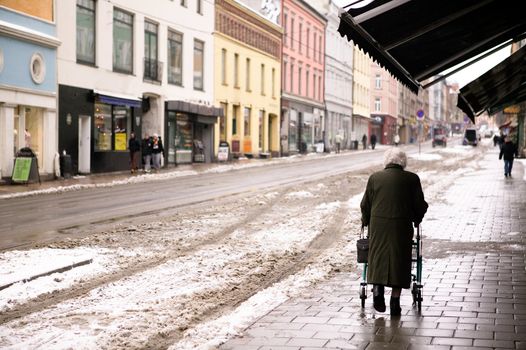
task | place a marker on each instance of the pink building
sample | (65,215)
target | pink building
(303,80)
(384,105)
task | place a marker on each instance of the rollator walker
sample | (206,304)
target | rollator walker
(416,271)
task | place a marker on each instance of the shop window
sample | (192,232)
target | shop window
(86,31)
(235,114)
(222,122)
(246,118)
(112,126)
(122,41)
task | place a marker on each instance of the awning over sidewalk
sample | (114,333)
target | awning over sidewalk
(502,86)
(194,108)
(117,99)
(416,39)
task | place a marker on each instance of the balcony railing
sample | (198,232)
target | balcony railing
(153,70)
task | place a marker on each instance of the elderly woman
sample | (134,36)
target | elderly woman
(392,203)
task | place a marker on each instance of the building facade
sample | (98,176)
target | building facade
(361,103)
(303,77)
(127,66)
(28,83)
(247,79)
(338,80)
(384,105)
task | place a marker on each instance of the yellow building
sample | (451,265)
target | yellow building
(247,79)
(361,93)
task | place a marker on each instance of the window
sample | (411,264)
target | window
(199,47)
(183,3)
(284,80)
(378,81)
(261,128)
(300,31)
(273,82)
(292,33)
(299,80)
(236,70)
(235,114)
(86,31)
(307,83)
(222,122)
(175,58)
(314,91)
(320,87)
(112,127)
(262,79)
(377,104)
(285,32)
(246,118)
(308,41)
(292,78)
(314,46)
(319,48)
(151,64)
(248,75)
(199,7)
(223,66)
(122,41)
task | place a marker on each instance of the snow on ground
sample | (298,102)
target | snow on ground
(425,156)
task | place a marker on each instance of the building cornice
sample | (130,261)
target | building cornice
(23,33)
(300,99)
(27,91)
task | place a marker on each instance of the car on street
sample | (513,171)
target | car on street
(439,140)
(471,137)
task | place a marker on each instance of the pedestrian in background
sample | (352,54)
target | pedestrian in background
(338,139)
(509,151)
(396,140)
(134,147)
(373,141)
(364,141)
(392,204)
(157,151)
(146,148)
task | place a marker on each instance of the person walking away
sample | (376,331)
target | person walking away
(338,139)
(501,140)
(508,151)
(392,204)
(134,147)
(495,140)
(373,141)
(146,147)
(364,141)
(396,139)
(157,151)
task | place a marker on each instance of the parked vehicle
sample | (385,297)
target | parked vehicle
(440,140)
(471,137)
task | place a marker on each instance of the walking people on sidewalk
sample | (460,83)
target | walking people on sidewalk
(509,151)
(338,139)
(157,151)
(146,147)
(373,141)
(364,141)
(392,204)
(134,147)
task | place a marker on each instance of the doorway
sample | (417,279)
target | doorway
(84,144)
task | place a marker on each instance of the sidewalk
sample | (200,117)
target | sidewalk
(474,282)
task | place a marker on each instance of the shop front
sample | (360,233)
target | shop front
(190,132)
(94,128)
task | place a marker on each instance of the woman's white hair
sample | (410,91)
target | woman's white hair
(395,155)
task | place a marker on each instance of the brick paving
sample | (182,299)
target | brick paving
(474,282)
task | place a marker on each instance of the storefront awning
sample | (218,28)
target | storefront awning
(117,99)
(417,39)
(193,108)
(502,86)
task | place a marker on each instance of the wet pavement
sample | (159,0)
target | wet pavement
(473,274)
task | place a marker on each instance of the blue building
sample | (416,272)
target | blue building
(28,84)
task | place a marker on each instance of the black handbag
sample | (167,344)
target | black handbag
(362,248)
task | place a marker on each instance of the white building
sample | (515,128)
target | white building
(129,65)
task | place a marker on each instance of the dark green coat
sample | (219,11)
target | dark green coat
(392,203)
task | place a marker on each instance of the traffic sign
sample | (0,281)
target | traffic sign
(420,114)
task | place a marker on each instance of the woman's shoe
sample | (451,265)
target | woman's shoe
(378,298)
(394,303)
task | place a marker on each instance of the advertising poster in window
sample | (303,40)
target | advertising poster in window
(120,141)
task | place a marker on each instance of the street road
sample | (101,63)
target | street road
(34,219)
